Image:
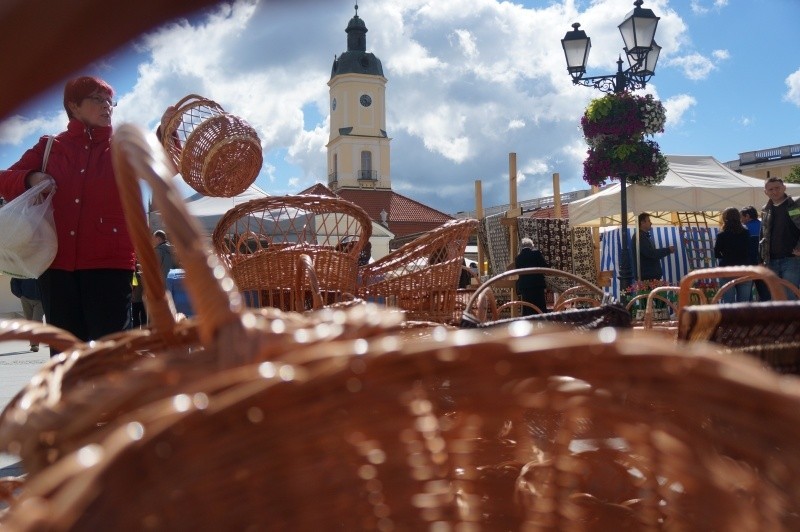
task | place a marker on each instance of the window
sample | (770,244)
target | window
(366,165)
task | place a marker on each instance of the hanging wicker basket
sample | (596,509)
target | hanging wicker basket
(217,153)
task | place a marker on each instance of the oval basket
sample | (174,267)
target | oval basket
(217,153)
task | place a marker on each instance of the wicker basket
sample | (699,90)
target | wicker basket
(422,276)
(261,240)
(558,431)
(218,154)
(81,393)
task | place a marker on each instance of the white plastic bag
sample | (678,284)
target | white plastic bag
(28,241)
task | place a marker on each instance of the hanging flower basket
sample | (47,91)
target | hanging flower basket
(614,127)
(640,161)
(623,115)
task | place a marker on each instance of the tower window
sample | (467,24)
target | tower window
(366,166)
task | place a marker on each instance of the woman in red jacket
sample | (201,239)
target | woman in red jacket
(86,290)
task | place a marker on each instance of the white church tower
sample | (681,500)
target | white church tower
(358,147)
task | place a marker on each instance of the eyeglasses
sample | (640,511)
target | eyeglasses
(102,101)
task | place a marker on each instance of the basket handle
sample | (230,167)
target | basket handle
(212,290)
(730,272)
(183,101)
(35,331)
(160,309)
(510,273)
(305,269)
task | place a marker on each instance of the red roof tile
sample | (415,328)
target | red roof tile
(547,212)
(404,215)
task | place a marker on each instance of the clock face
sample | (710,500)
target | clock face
(365,100)
(333,104)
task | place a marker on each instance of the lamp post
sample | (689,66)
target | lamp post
(638,33)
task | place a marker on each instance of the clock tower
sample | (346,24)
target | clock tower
(358,147)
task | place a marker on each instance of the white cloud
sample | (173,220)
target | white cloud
(694,66)
(677,107)
(721,55)
(699,8)
(468,82)
(793,83)
(464,40)
(16,129)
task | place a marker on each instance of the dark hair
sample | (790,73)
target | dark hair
(732,220)
(78,89)
(774,180)
(750,211)
(643,216)
(160,234)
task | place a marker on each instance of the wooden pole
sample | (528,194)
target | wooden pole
(513,204)
(479,215)
(513,245)
(556,196)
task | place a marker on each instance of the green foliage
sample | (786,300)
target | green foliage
(794,175)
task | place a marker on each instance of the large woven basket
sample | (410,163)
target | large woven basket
(81,393)
(261,240)
(217,153)
(422,276)
(477,431)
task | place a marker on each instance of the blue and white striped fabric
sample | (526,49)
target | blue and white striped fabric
(675,265)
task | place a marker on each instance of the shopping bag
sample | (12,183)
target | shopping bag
(28,241)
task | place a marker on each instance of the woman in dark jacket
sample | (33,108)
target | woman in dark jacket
(86,290)
(732,249)
(531,286)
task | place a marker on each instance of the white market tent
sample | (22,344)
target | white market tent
(694,183)
(208,210)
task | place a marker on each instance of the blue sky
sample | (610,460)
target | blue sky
(469,82)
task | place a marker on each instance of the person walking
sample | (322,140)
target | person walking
(531,286)
(753,225)
(27,290)
(780,233)
(649,255)
(732,248)
(164,253)
(138,310)
(87,288)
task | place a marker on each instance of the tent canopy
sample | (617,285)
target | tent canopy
(208,210)
(694,183)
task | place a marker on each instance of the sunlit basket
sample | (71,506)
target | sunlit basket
(217,153)
(78,395)
(473,431)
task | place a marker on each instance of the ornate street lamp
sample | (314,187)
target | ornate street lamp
(638,33)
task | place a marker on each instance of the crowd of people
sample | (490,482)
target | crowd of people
(743,239)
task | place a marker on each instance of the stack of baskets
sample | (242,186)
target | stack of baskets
(217,153)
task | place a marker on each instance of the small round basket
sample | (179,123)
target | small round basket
(217,153)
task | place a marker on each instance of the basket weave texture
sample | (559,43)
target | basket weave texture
(261,240)
(78,395)
(271,421)
(501,431)
(217,153)
(422,276)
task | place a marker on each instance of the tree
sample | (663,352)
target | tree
(794,175)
